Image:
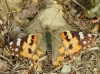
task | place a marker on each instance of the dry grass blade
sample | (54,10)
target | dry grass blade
(6,59)
(14,68)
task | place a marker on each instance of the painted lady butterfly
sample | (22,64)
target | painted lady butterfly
(72,41)
(28,47)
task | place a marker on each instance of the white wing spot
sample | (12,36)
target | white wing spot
(18,41)
(84,42)
(69,34)
(16,49)
(89,35)
(11,43)
(81,35)
(29,38)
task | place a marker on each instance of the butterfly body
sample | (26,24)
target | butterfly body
(48,44)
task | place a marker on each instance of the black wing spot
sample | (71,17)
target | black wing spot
(70,46)
(31,42)
(68,39)
(29,50)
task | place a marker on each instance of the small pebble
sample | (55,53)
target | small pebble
(66,69)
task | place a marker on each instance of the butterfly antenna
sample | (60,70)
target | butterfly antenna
(54,17)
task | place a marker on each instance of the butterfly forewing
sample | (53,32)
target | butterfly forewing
(77,40)
(23,48)
(73,43)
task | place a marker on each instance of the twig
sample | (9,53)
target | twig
(6,59)
(14,68)
(79,4)
(9,8)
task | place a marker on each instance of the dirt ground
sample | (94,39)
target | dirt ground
(19,18)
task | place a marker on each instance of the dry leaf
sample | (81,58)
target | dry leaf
(96,28)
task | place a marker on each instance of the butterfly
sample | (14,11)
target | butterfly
(72,42)
(35,46)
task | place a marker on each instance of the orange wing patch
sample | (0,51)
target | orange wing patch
(28,47)
(36,57)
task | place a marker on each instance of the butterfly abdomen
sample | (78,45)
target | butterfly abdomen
(49,51)
(48,46)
